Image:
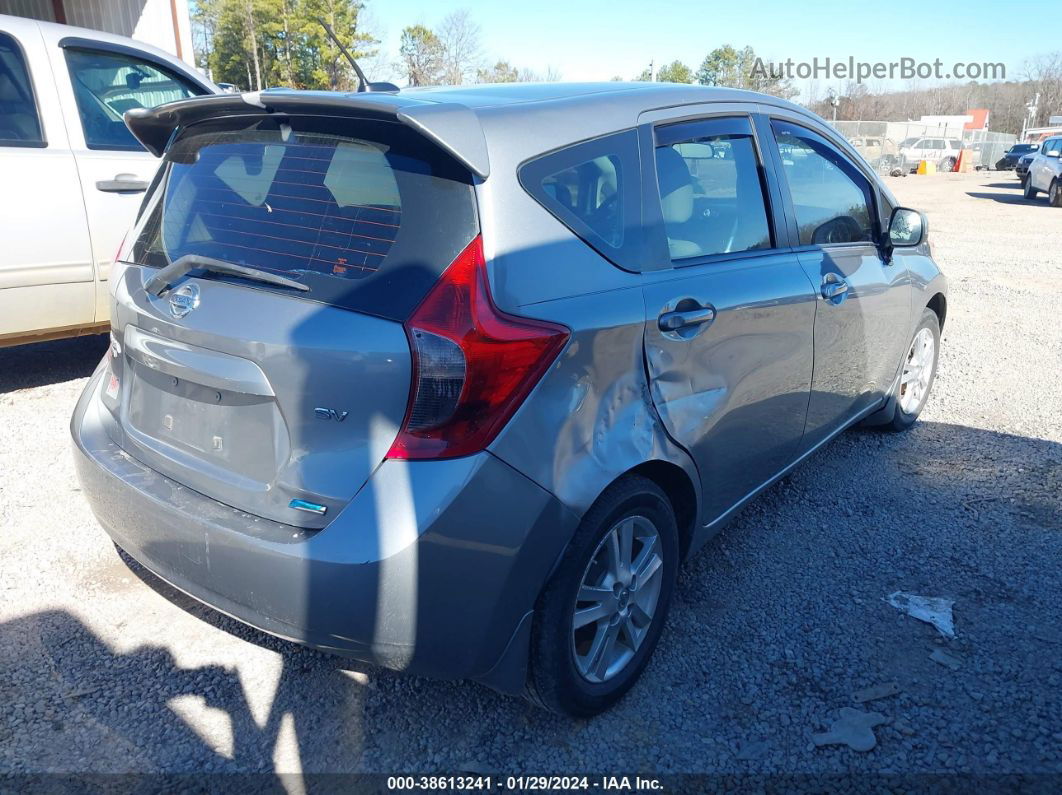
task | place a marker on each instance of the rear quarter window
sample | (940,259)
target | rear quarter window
(594,188)
(367,213)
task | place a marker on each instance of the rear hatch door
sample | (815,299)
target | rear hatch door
(275,400)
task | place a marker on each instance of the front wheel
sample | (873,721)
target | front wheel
(919,372)
(601,613)
(1054,193)
(1028,191)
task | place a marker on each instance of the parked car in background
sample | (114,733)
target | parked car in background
(882,153)
(72,174)
(1011,157)
(942,152)
(1021,169)
(1045,172)
(452,380)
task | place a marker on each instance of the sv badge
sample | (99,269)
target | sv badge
(330,414)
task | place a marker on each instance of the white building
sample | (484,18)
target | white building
(163,23)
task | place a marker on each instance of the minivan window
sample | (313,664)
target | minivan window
(593,188)
(107,84)
(710,187)
(19,123)
(366,213)
(831,198)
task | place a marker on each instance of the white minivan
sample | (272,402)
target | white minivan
(71,174)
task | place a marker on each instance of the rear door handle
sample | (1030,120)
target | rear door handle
(834,290)
(123,183)
(673,321)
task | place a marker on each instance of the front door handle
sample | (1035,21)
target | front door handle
(834,289)
(123,183)
(673,321)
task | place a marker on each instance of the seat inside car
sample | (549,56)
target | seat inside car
(676,201)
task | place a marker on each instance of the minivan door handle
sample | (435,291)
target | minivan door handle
(673,321)
(123,183)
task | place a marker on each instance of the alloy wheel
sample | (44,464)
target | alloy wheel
(917,371)
(617,598)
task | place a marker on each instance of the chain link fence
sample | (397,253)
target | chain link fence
(892,145)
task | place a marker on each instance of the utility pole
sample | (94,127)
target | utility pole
(1030,114)
(831,95)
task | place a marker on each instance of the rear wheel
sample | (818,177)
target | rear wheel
(1027,189)
(919,372)
(1054,194)
(947,164)
(602,612)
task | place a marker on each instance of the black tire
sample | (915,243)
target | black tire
(902,420)
(554,681)
(1054,193)
(1028,191)
(947,165)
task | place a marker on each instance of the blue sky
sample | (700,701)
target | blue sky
(596,39)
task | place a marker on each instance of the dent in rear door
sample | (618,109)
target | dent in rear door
(733,387)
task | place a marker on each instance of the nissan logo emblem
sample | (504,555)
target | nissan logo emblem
(183,300)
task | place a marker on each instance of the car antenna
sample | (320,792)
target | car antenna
(363,83)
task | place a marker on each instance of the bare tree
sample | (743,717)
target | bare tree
(461,54)
(1044,75)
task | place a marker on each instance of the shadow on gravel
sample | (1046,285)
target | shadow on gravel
(1017,198)
(71,694)
(43,363)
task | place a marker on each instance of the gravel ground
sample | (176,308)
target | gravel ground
(776,624)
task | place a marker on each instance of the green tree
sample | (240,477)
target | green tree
(260,43)
(422,56)
(321,64)
(675,72)
(731,68)
(501,72)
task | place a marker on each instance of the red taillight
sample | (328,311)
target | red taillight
(472,364)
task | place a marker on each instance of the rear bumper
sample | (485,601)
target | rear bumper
(434,567)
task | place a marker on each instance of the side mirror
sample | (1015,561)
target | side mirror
(1053,152)
(907,228)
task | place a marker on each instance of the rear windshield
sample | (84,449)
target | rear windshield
(366,213)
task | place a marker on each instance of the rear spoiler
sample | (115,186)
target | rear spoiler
(453,127)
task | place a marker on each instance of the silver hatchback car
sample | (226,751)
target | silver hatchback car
(452,380)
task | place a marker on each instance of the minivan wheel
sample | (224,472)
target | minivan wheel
(919,372)
(1028,190)
(1054,194)
(601,614)
(947,164)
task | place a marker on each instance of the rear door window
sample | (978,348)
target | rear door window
(366,213)
(711,188)
(593,188)
(107,84)
(20,124)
